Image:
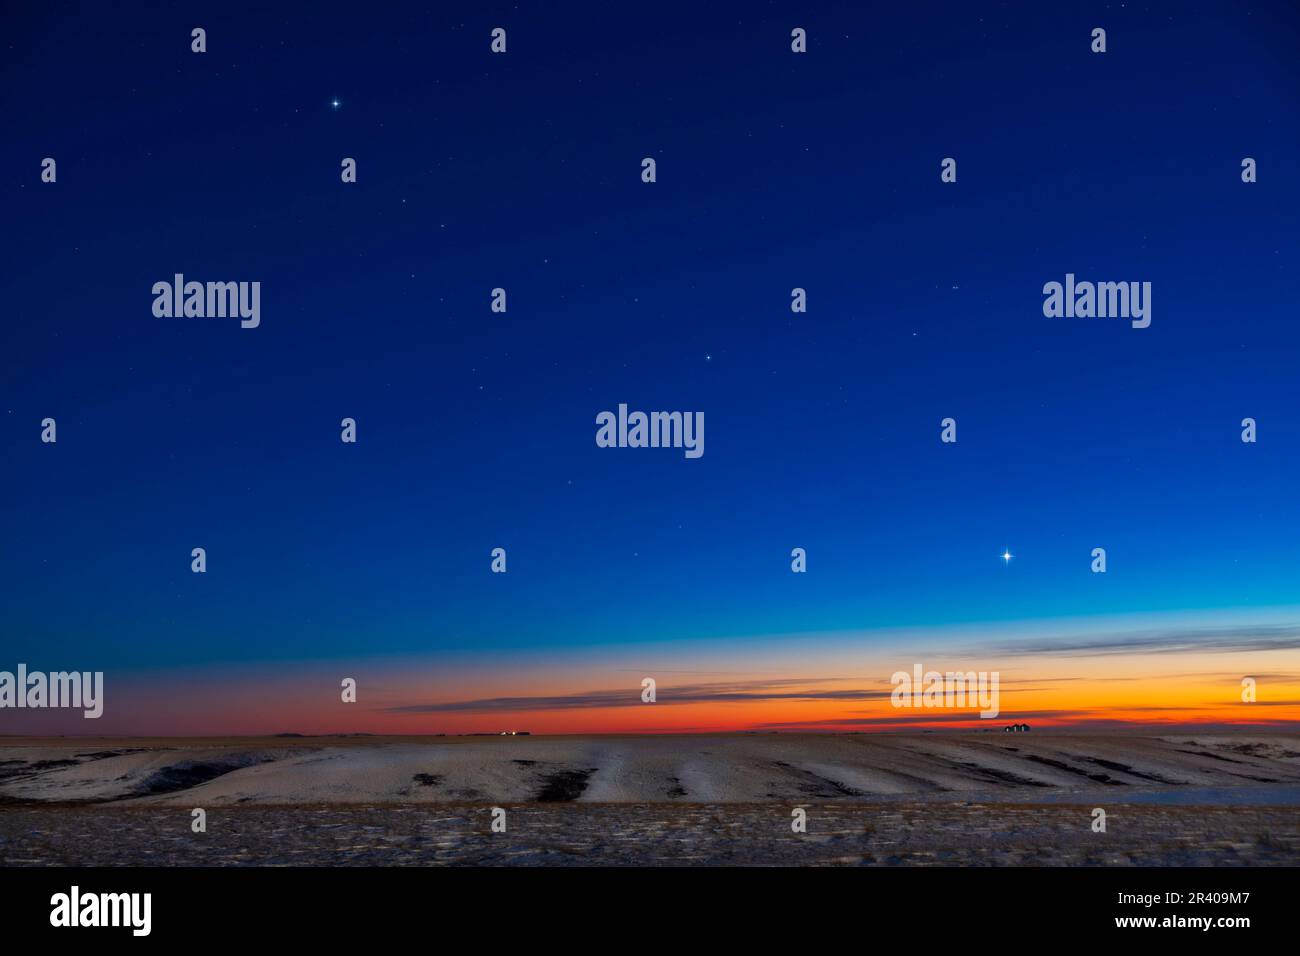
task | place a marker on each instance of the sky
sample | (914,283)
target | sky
(476,429)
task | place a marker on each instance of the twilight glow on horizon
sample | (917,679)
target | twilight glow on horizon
(1157,674)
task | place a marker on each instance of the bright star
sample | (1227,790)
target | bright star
(1006,556)
(335,103)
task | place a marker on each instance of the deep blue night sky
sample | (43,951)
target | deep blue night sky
(476,430)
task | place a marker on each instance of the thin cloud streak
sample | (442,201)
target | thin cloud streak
(748,692)
(1242,637)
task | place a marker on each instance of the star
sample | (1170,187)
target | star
(335,103)
(1006,556)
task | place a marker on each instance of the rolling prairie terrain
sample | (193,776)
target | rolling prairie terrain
(876,800)
(741,768)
